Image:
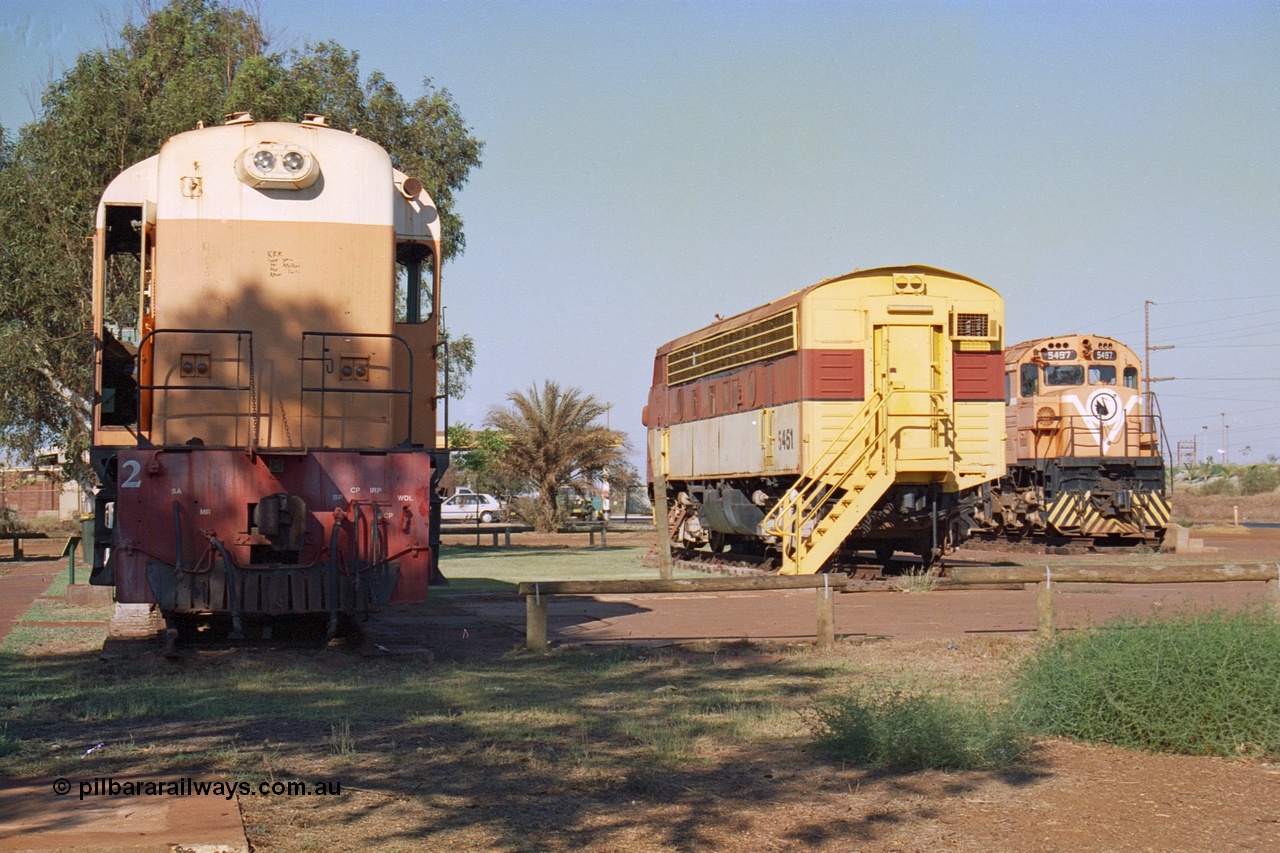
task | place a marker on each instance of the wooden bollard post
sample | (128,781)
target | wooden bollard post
(1044,604)
(826,616)
(535,623)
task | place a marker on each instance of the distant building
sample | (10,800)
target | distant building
(39,492)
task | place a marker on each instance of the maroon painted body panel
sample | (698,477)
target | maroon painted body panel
(174,498)
(978,377)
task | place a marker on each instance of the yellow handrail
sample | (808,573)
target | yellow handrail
(800,507)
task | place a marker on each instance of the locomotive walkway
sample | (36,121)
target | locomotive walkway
(35,818)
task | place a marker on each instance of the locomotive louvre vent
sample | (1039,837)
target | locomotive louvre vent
(973,326)
(764,339)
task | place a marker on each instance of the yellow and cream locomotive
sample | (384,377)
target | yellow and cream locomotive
(863,412)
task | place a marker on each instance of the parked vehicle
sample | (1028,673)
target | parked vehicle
(466,506)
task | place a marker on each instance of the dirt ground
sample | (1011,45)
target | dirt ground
(1069,797)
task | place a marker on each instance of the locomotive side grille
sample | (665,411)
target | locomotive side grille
(972,326)
(767,338)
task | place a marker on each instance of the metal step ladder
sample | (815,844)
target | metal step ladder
(829,500)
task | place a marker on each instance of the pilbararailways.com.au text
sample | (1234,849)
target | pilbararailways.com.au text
(189,787)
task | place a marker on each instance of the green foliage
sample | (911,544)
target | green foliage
(457,365)
(903,731)
(190,61)
(1220,486)
(476,455)
(1259,479)
(1197,684)
(553,442)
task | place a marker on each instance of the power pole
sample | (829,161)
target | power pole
(1148,395)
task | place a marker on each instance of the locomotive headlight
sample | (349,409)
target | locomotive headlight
(277,166)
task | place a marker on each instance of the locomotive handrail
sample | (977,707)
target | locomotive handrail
(799,501)
(324,359)
(800,507)
(1068,428)
(241,334)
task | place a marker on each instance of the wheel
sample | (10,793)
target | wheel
(486,517)
(884,553)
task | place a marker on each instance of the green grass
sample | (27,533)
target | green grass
(908,731)
(1198,684)
(489,569)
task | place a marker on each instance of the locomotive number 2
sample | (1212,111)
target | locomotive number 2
(786,439)
(132,468)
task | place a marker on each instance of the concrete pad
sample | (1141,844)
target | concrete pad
(84,594)
(35,817)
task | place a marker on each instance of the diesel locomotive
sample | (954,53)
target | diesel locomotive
(1083,457)
(865,412)
(265,306)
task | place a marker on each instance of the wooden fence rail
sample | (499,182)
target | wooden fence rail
(537,593)
(1044,579)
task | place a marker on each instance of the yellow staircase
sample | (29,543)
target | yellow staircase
(854,469)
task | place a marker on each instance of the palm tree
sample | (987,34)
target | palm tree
(554,442)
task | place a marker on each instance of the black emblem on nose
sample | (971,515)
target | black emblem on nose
(1101,409)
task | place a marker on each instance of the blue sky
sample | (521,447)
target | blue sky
(648,165)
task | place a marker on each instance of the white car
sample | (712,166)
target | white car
(470,507)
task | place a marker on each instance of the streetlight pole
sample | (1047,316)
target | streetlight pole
(1147,393)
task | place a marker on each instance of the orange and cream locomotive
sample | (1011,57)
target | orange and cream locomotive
(264,424)
(1083,456)
(863,412)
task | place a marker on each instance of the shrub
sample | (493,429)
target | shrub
(1259,479)
(1219,486)
(893,729)
(534,513)
(1196,684)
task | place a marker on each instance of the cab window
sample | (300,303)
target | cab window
(1063,374)
(1030,381)
(1131,378)
(415,283)
(1102,374)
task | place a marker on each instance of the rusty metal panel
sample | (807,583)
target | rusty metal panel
(172,500)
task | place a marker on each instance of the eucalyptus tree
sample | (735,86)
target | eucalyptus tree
(554,441)
(190,61)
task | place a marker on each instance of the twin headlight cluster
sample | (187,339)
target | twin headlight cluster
(277,166)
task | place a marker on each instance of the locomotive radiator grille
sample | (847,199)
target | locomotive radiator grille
(767,338)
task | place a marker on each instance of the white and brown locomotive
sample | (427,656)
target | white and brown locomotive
(1083,455)
(862,412)
(265,304)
